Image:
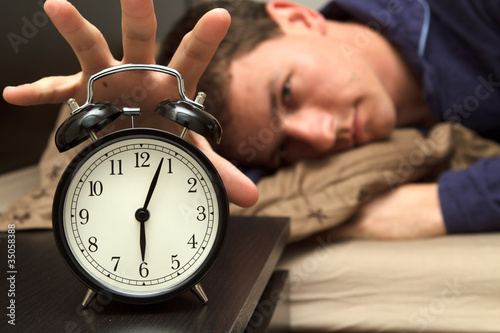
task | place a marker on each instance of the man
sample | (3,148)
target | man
(318,87)
(324,85)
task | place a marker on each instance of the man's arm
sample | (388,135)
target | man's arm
(470,198)
(407,212)
(139,29)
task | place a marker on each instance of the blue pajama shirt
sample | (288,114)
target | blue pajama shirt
(454,48)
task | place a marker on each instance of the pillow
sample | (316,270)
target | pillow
(321,194)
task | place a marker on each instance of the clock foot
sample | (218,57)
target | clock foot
(200,293)
(88,297)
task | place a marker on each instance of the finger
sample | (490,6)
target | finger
(54,89)
(86,40)
(198,47)
(240,189)
(139,31)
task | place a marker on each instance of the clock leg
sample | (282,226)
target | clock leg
(200,293)
(88,297)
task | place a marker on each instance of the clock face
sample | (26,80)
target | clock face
(143,215)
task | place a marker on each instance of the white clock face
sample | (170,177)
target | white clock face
(134,184)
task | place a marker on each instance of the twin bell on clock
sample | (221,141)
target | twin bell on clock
(140,214)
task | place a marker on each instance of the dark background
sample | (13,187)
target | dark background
(31,48)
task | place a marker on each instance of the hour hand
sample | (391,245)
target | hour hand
(142,215)
(143,240)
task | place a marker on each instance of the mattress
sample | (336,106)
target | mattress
(442,284)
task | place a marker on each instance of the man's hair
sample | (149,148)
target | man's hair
(250,25)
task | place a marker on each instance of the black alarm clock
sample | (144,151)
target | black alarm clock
(139,214)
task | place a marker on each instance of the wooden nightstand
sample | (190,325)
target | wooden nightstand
(48,296)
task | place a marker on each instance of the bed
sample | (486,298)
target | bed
(442,284)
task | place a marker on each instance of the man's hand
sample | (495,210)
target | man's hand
(139,30)
(407,212)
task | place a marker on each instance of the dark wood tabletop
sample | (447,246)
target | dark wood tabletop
(48,297)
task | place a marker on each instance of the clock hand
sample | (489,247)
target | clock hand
(142,241)
(142,214)
(153,185)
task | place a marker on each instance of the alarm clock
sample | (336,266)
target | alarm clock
(139,214)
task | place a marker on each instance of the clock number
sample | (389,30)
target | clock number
(93,244)
(192,181)
(192,242)
(143,271)
(169,165)
(117,261)
(144,158)
(84,215)
(201,213)
(118,167)
(95,188)
(175,263)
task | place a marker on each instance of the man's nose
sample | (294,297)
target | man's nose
(314,127)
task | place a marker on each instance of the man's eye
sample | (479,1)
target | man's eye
(286,93)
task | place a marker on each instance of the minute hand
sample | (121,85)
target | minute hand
(153,185)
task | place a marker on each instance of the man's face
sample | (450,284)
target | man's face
(298,97)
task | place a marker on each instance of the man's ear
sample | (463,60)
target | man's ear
(293,17)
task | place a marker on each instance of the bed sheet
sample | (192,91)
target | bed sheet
(443,284)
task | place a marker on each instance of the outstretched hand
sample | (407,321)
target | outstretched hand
(138,31)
